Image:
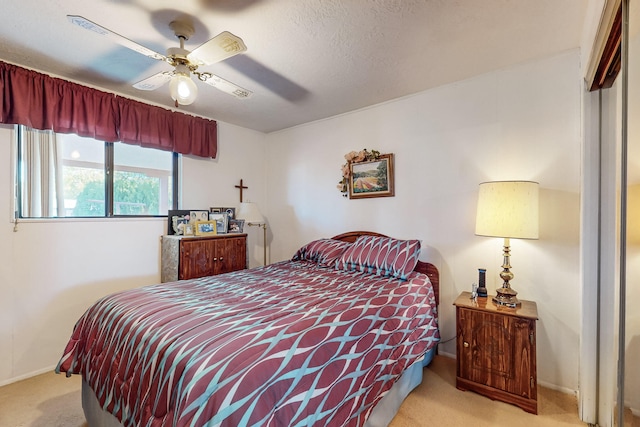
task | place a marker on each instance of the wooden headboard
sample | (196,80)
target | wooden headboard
(422,267)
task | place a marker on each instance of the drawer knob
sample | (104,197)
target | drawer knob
(465,344)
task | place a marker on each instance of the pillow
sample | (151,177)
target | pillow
(382,256)
(325,252)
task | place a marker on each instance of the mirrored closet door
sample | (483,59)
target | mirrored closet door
(630,217)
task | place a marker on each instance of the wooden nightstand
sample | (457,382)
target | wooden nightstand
(496,350)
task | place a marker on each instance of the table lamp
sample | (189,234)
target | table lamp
(251,214)
(507,209)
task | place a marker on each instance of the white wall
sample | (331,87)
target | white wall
(211,182)
(53,270)
(518,123)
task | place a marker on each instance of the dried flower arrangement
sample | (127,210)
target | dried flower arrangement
(354,157)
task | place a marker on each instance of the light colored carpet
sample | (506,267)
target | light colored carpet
(437,402)
(51,400)
(47,400)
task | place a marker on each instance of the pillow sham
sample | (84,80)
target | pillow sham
(382,256)
(325,252)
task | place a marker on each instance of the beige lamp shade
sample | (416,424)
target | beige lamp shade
(250,213)
(508,209)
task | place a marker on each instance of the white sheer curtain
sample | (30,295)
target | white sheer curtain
(42,194)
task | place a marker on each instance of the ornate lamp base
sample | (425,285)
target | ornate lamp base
(506,297)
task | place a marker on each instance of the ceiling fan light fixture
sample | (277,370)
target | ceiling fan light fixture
(183,90)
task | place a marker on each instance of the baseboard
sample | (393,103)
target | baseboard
(449,355)
(565,390)
(27,376)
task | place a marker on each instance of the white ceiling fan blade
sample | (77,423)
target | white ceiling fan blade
(123,41)
(224,85)
(219,48)
(154,82)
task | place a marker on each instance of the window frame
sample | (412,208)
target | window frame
(108,171)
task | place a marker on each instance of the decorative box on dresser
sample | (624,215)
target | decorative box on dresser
(496,350)
(190,257)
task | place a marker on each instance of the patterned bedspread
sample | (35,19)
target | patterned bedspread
(291,344)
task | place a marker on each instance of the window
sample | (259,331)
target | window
(65,175)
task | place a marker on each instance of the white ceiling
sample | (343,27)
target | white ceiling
(306,59)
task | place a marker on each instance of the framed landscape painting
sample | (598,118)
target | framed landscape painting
(372,179)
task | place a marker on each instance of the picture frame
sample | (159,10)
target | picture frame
(188,229)
(199,216)
(221,221)
(176,220)
(179,224)
(205,228)
(373,178)
(235,226)
(230,211)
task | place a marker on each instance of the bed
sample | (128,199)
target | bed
(338,336)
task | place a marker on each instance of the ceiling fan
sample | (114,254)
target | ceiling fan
(183,90)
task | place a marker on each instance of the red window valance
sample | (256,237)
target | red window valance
(42,102)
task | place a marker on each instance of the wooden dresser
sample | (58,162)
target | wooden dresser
(496,350)
(189,257)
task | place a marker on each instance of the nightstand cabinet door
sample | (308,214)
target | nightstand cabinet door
(496,353)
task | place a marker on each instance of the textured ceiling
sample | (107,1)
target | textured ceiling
(306,59)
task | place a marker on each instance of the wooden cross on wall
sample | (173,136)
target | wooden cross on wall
(241,187)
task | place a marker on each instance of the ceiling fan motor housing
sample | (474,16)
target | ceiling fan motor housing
(178,56)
